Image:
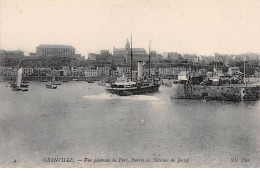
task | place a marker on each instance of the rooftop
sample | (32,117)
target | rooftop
(119,49)
(133,49)
(55,46)
(138,49)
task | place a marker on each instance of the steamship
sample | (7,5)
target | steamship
(127,87)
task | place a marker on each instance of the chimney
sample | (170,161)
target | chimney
(140,70)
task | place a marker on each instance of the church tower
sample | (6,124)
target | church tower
(127,46)
(127,51)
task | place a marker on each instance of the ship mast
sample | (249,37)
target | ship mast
(149,59)
(131,60)
(245,70)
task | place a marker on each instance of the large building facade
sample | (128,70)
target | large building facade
(139,54)
(55,51)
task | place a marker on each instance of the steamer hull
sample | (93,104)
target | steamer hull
(134,90)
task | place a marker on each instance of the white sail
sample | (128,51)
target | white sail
(19,77)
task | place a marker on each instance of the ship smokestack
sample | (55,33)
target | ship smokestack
(140,70)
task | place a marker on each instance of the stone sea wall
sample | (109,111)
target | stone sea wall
(225,92)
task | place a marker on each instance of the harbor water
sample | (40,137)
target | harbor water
(80,120)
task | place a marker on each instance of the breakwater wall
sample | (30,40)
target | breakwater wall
(224,92)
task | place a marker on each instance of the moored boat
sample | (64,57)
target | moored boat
(24,85)
(57,82)
(16,88)
(50,85)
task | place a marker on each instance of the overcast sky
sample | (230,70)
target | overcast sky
(185,26)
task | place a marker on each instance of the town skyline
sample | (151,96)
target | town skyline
(194,27)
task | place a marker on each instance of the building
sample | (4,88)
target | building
(159,57)
(100,57)
(114,73)
(139,54)
(126,70)
(74,71)
(66,71)
(32,55)
(105,52)
(14,72)
(79,57)
(81,71)
(92,57)
(46,71)
(55,51)
(7,71)
(90,73)
(119,51)
(202,72)
(163,71)
(118,59)
(36,71)
(257,74)
(27,71)
(233,70)
(146,71)
(184,75)
(171,71)
(103,71)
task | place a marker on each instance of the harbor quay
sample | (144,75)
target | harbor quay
(237,92)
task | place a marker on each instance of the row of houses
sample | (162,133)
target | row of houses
(105,71)
(94,71)
(97,71)
(174,71)
(171,71)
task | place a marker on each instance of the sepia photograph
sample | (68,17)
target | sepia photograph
(129,83)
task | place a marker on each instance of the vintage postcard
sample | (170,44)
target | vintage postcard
(130,83)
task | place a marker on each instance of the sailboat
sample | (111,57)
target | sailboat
(17,86)
(24,84)
(140,86)
(51,84)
